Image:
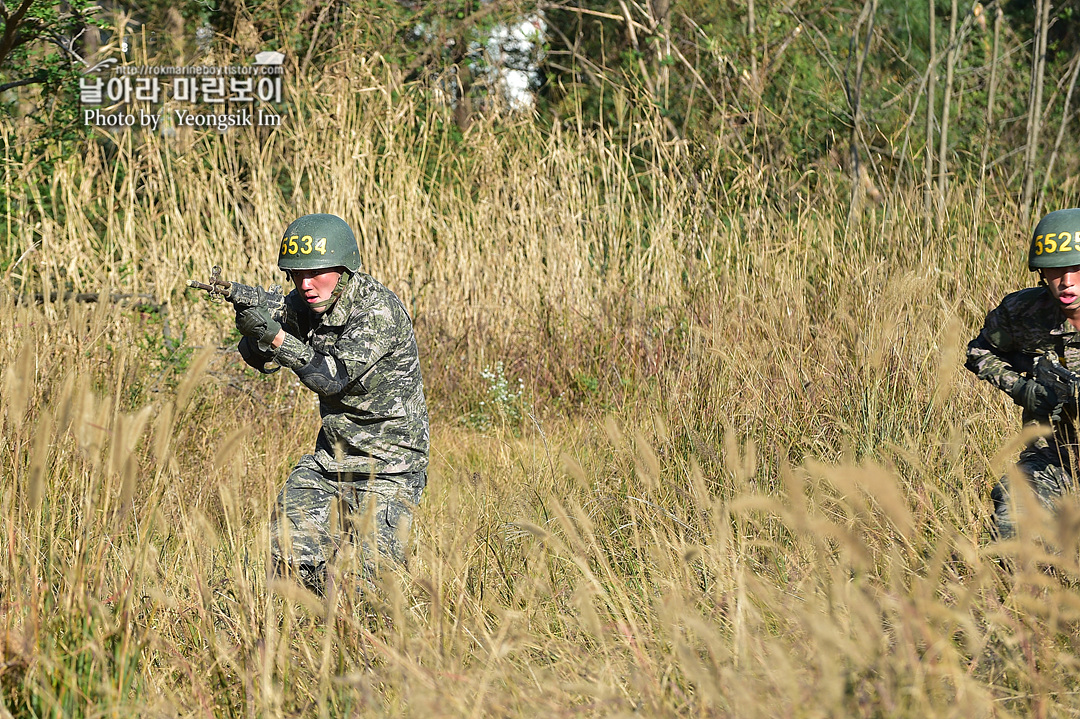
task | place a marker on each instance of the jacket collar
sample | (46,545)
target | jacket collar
(351,296)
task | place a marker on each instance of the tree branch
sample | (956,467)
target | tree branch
(437,47)
(32,80)
(11,26)
(578,57)
(64,44)
(594,13)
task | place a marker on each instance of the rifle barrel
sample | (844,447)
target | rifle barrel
(218,286)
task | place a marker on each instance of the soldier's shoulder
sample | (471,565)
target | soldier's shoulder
(377,295)
(1024,321)
(1030,300)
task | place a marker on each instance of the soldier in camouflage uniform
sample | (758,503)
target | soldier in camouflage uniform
(1027,324)
(349,339)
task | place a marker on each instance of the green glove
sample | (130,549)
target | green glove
(256,323)
(1035,397)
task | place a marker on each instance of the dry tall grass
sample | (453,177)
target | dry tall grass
(746,476)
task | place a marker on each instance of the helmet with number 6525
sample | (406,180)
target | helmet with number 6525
(1056,241)
(315,242)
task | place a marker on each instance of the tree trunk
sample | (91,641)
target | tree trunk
(928,154)
(946,102)
(998,14)
(1038,70)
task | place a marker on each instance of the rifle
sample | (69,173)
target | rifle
(1049,372)
(241,296)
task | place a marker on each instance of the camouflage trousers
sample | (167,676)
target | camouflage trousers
(318,515)
(1044,465)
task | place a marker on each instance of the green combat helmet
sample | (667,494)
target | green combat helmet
(1056,241)
(316,242)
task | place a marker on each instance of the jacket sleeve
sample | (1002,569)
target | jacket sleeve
(262,357)
(992,354)
(366,338)
(324,374)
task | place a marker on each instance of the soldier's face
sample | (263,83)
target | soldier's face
(315,286)
(1064,284)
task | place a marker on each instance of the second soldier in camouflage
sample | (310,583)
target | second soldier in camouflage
(349,339)
(1029,323)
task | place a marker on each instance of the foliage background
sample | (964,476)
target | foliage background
(691,330)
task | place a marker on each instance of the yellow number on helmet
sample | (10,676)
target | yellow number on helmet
(284,246)
(306,247)
(1048,244)
(320,245)
(1066,238)
(292,244)
(1038,245)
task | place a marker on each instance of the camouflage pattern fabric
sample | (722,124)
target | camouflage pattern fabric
(379,423)
(316,515)
(361,358)
(1028,323)
(1044,468)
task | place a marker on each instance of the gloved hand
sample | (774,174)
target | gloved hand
(262,361)
(248,297)
(256,323)
(1035,397)
(1065,410)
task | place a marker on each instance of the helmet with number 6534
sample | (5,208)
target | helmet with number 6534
(1056,240)
(315,242)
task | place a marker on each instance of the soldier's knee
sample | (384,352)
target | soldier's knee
(396,533)
(390,531)
(1004,527)
(299,545)
(390,505)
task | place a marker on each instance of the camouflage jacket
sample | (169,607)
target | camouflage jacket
(360,357)
(1026,323)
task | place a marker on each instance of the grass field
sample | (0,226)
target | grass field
(700,447)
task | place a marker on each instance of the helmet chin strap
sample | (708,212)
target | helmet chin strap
(338,289)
